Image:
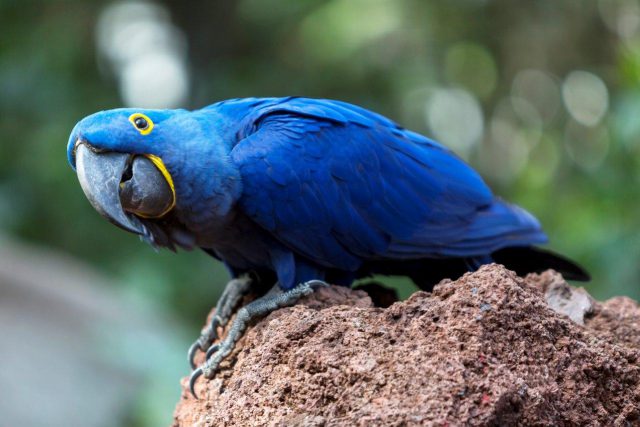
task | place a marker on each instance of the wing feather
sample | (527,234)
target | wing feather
(338,184)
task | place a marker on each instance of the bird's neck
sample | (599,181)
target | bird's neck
(207,186)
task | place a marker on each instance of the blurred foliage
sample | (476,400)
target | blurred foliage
(488,77)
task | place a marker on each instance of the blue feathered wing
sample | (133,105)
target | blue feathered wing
(338,184)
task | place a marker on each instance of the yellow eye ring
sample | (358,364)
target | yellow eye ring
(142,123)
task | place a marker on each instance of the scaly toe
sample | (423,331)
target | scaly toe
(212,350)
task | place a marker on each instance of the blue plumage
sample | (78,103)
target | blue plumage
(339,185)
(315,189)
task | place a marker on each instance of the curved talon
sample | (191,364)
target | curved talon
(212,350)
(316,283)
(191,354)
(255,309)
(192,381)
(213,328)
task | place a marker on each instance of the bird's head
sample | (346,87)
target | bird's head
(118,156)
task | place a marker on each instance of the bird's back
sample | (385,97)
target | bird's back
(338,183)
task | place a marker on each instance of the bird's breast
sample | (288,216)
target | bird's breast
(237,240)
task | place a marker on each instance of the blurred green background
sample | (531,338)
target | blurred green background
(543,98)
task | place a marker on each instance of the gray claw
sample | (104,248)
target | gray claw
(213,329)
(262,306)
(212,350)
(315,284)
(192,381)
(207,337)
(231,296)
(192,353)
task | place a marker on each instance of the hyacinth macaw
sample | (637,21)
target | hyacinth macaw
(298,191)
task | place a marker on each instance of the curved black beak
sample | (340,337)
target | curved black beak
(100,175)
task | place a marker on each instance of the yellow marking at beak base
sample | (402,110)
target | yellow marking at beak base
(158,163)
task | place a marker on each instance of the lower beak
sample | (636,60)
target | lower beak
(119,185)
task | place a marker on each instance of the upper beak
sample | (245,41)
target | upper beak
(116,182)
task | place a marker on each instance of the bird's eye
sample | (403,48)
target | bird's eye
(142,123)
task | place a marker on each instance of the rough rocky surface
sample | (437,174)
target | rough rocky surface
(487,349)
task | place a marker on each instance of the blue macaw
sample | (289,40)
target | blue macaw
(298,191)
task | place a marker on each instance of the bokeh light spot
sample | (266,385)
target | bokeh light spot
(455,117)
(586,97)
(329,32)
(540,89)
(621,16)
(472,66)
(146,52)
(544,160)
(587,146)
(157,80)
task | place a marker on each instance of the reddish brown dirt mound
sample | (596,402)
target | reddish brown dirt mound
(487,349)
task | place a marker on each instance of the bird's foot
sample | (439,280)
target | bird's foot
(235,290)
(255,309)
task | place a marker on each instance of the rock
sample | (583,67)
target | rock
(487,349)
(575,303)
